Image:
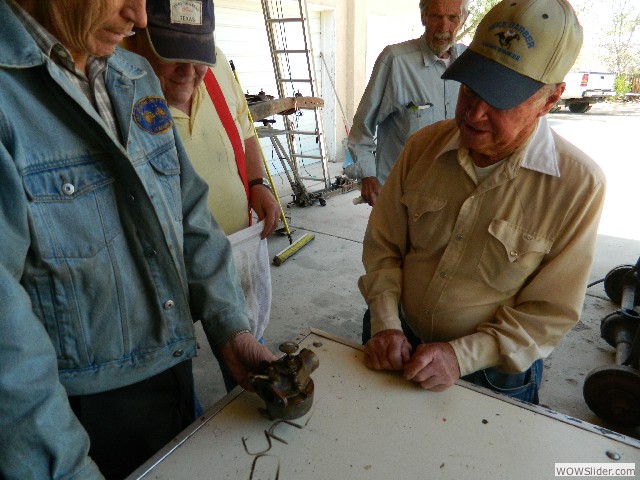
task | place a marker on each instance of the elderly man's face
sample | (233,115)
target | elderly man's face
(91,27)
(442,20)
(492,134)
(177,80)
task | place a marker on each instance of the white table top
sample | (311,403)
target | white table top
(375,425)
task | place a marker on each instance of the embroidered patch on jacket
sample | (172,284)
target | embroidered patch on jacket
(152,115)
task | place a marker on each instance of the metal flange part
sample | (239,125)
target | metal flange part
(613,394)
(614,283)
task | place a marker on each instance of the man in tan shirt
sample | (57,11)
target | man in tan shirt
(485,230)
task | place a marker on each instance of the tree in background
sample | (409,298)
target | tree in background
(477,10)
(622,38)
(623,49)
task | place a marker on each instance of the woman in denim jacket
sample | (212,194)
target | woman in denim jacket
(109,251)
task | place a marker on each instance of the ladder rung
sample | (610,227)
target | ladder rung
(298,155)
(294,80)
(300,132)
(270,132)
(285,20)
(291,51)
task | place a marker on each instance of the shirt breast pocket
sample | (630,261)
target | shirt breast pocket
(416,117)
(511,255)
(73,209)
(425,220)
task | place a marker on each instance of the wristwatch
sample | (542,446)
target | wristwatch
(260,181)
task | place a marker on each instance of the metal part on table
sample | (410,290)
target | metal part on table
(613,392)
(285,385)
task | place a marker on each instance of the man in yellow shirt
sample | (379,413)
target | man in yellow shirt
(180,54)
(211,115)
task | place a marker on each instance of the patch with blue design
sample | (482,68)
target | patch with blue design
(152,115)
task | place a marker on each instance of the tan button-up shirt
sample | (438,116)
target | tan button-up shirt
(499,269)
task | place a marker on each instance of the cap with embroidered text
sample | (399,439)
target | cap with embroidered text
(182,30)
(518,47)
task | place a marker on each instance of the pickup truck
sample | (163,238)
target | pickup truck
(584,89)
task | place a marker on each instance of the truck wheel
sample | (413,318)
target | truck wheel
(579,107)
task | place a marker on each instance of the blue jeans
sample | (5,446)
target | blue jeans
(521,386)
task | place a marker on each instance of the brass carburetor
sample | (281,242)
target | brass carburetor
(285,384)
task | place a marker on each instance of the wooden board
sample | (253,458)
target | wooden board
(373,425)
(268,108)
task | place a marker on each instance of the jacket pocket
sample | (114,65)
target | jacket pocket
(42,301)
(167,169)
(511,254)
(75,198)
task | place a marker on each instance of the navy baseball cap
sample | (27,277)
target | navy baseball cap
(182,30)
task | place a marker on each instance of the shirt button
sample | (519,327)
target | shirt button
(178,353)
(150,252)
(132,198)
(427,312)
(169,304)
(513,253)
(459,237)
(443,274)
(68,189)
(416,215)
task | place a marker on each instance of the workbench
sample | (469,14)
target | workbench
(375,425)
(262,110)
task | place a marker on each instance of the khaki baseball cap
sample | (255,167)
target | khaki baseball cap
(518,47)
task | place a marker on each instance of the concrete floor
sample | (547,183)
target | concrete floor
(317,287)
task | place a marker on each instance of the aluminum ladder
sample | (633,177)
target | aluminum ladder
(294,67)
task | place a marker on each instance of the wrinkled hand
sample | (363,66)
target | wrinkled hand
(265,205)
(370,189)
(387,350)
(434,366)
(242,355)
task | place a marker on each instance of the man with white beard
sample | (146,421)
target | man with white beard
(405,93)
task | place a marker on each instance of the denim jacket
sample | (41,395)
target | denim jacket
(109,252)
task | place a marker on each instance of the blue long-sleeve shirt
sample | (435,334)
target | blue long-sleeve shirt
(405,93)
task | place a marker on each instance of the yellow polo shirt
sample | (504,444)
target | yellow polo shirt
(210,149)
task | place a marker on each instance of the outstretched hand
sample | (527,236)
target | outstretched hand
(242,355)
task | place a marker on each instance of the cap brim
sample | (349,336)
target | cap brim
(499,86)
(174,46)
